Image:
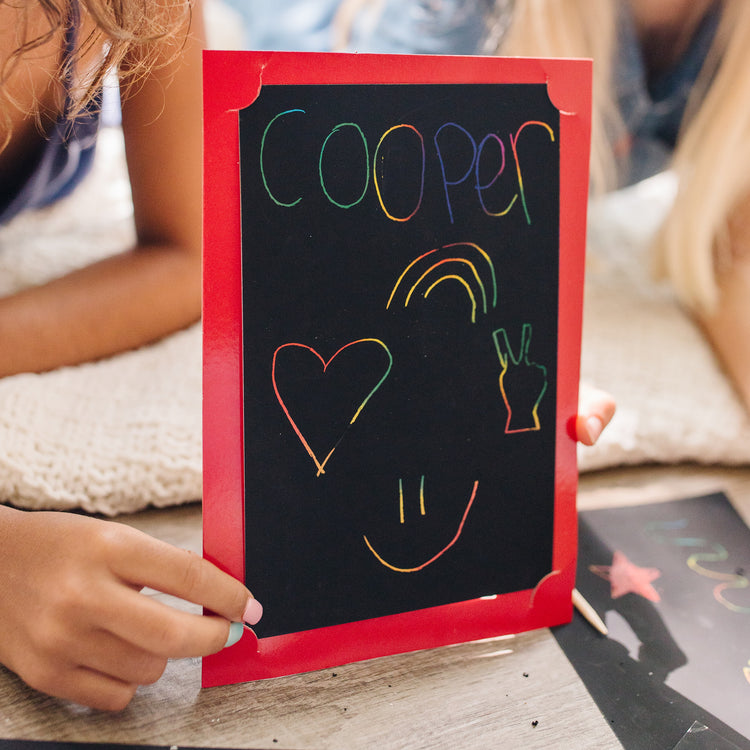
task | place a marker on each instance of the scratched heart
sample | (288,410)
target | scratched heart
(322,398)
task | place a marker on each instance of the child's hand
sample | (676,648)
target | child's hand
(73,622)
(595,411)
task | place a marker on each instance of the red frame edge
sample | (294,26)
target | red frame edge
(225,93)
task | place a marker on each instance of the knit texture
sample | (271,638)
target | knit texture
(111,436)
(117,435)
(674,403)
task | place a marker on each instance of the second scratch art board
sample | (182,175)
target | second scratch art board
(393,279)
(670,579)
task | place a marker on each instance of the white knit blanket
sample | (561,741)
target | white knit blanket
(674,401)
(111,436)
(120,434)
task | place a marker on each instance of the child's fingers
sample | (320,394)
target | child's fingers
(596,410)
(163,630)
(160,566)
(83,686)
(98,691)
(109,654)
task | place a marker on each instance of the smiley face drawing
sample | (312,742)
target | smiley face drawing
(423,512)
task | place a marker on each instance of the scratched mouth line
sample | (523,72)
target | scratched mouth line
(437,556)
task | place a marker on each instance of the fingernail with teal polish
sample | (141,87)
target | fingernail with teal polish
(236,629)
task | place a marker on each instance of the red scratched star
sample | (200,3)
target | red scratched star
(626,578)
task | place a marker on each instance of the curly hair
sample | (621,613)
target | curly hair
(135,36)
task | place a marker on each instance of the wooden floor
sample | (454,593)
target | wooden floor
(517,692)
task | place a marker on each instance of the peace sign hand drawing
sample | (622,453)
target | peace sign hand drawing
(522,383)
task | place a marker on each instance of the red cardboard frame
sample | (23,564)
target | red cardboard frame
(232,81)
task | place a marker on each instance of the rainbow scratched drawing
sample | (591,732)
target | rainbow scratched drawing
(514,380)
(423,511)
(318,463)
(379,162)
(717,553)
(381,245)
(429,272)
(514,146)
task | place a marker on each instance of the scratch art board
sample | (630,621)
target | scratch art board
(672,582)
(392,306)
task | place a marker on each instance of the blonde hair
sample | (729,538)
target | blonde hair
(563,28)
(712,161)
(712,157)
(134,36)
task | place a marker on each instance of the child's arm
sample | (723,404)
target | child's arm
(153,290)
(728,329)
(73,622)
